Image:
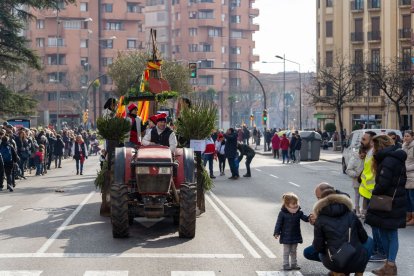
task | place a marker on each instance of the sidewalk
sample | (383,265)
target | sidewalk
(326,155)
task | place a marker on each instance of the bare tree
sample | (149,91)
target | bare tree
(342,84)
(395,81)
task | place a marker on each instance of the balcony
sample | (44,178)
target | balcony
(374,67)
(374,4)
(357,6)
(404,33)
(405,3)
(404,66)
(363,101)
(374,36)
(254,12)
(357,67)
(357,37)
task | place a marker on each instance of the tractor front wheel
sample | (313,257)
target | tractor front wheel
(188,203)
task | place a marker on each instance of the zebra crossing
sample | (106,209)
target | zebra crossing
(173,273)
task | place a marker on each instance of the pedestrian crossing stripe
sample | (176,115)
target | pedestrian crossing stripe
(279,273)
(105,273)
(20,272)
(192,273)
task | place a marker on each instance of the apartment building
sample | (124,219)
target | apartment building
(78,43)
(364,33)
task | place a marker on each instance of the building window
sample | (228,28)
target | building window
(133,8)
(40,24)
(72,24)
(206,80)
(84,61)
(329,29)
(206,64)
(114,26)
(83,7)
(329,59)
(235,50)
(206,14)
(106,79)
(56,59)
(192,15)
(84,43)
(359,92)
(329,90)
(375,90)
(235,81)
(155,2)
(56,77)
(214,32)
(192,47)
(160,16)
(207,48)
(235,3)
(236,34)
(61,5)
(192,31)
(106,61)
(55,42)
(107,8)
(175,2)
(51,96)
(329,3)
(176,32)
(235,19)
(235,65)
(107,44)
(176,49)
(84,80)
(131,44)
(223,49)
(177,16)
(40,42)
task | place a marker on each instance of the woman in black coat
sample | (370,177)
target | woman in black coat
(58,151)
(334,218)
(390,179)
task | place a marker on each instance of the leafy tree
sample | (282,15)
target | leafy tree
(394,81)
(14,50)
(128,67)
(339,83)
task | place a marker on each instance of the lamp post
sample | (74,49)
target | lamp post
(300,87)
(58,126)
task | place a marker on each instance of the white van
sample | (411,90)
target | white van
(353,143)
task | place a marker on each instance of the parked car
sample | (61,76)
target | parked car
(353,142)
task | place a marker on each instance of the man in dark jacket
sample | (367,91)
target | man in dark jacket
(247,151)
(10,157)
(58,151)
(335,225)
(292,146)
(230,152)
(298,146)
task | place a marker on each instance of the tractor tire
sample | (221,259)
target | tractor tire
(119,197)
(188,203)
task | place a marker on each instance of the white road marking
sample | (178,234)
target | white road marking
(105,273)
(233,228)
(274,176)
(20,272)
(259,170)
(122,255)
(55,235)
(278,273)
(193,273)
(4,208)
(246,229)
(294,184)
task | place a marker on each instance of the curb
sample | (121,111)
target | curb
(331,161)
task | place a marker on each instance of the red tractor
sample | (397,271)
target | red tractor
(152,182)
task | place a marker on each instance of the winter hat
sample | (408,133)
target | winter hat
(162,117)
(132,107)
(153,118)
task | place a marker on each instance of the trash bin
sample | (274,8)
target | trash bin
(311,145)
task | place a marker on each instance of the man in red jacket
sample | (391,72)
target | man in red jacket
(284,145)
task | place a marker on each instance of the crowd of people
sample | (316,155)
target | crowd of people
(31,151)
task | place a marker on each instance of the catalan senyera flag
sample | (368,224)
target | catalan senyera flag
(121,109)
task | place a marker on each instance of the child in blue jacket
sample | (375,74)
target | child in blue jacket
(287,229)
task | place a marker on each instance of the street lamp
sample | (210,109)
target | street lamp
(284,88)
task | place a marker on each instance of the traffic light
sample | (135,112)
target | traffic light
(252,117)
(264,116)
(85,116)
(192,66)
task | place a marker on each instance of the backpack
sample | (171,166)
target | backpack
(5,152)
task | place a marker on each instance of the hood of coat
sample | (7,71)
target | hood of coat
(392,151)
(334,205)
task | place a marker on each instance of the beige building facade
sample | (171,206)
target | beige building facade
(364,33)
(78,44)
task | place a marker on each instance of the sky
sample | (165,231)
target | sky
(286,27)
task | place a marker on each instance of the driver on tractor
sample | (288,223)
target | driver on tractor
(161,134)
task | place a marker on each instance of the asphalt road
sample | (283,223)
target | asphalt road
(44,232)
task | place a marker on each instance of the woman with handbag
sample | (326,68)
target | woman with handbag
(339,237)
(408,147)
(387,206)
(80,153)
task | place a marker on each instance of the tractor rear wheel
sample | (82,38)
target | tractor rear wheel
(188,202)
(119,197)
